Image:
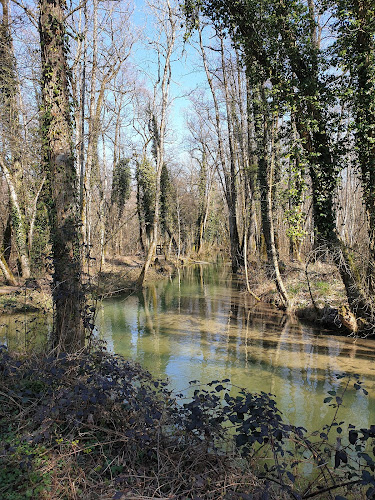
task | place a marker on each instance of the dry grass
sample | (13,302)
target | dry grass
(93,426)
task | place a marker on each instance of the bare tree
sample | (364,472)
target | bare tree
(158,114)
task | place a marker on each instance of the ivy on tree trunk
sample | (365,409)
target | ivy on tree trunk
(61,186)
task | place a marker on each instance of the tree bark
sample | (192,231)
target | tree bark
(362,72)
(18,222)
(265,178)
(159,136)
(10,114)
(236,253)
(8,275)
(33,214)
(61,175)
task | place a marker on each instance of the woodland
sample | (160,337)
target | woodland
(269,158)
(179,130)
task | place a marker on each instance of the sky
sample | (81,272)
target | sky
(186,73)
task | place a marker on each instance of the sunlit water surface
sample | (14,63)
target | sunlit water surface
(201,325)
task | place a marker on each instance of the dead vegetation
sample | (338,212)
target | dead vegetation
(94,426)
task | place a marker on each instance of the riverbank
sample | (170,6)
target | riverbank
(95,426)
(86,426)
(316,293)
(118,275)
(32,296)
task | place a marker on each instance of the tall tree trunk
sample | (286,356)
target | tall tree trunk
(61,175)
(7,238)
(266,180)
(159,137)
(13,172)
(362,72)
(93,138)
(204,189)
(8,275)
(324,175)
(18,222)
(34,213)
(236,254)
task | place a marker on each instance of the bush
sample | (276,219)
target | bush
(93,425)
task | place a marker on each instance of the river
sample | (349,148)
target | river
(202,325)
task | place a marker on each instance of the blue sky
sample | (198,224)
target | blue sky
(186,76)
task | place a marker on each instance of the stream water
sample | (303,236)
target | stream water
(201,325)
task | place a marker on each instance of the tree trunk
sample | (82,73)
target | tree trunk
(61,175)
(236,254)
(229,182)
(7,238)
(33,214)
(10,117)
(323,173)
(265,178)
(362,71)
(8,275)
(18,222)
(93,138)
(159,136)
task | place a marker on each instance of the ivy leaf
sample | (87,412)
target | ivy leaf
(353,436)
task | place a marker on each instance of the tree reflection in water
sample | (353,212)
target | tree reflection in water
(202,324)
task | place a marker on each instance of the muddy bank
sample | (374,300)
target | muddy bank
(317,295)
(31,296)
(118,275)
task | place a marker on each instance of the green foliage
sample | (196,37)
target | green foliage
(355,53)
(21,474)
(167,198)
(121,187)
(323,286)
(146,186)
(154,129)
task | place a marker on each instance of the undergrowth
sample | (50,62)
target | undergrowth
(93,425)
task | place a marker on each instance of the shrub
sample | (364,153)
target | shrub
(93,424)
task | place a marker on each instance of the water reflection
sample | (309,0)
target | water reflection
(27,331)
(202,325)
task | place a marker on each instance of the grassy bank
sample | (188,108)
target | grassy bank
(316,293)
(26,298)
